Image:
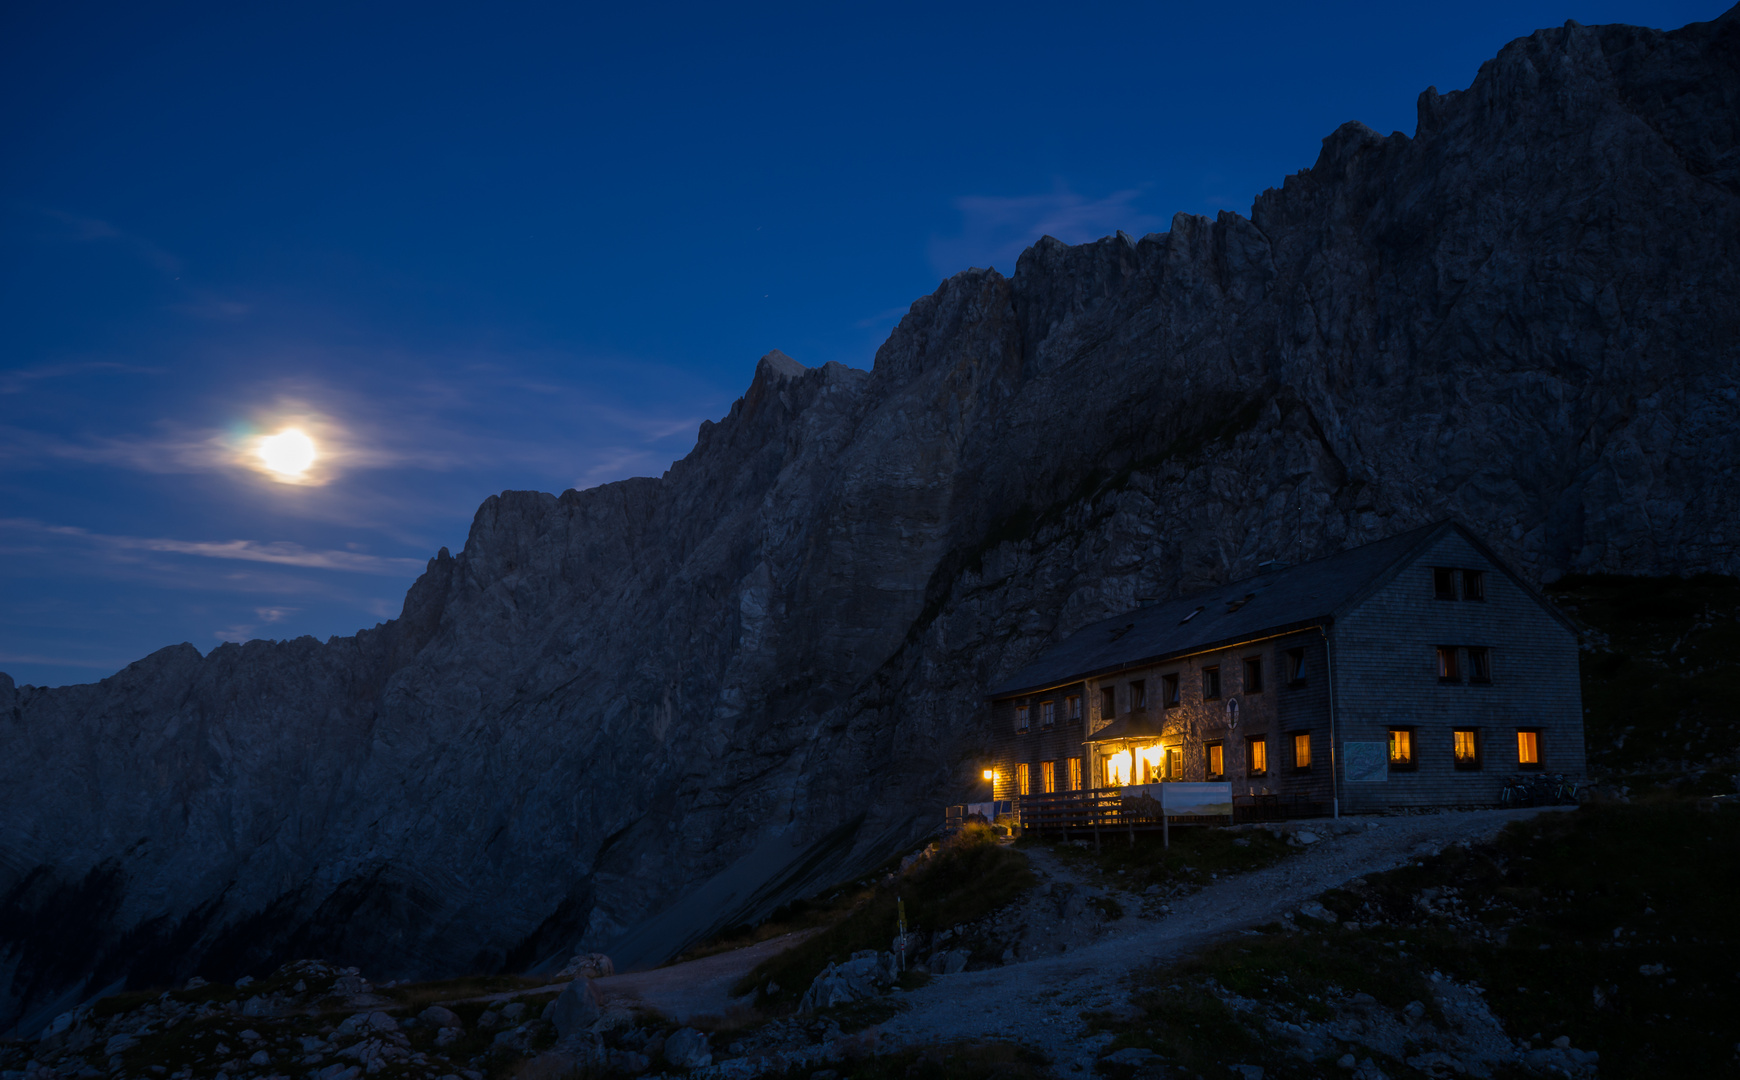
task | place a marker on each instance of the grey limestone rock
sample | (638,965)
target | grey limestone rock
(687,1048)
(768,661)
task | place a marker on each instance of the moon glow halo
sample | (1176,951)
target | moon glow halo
(288,454)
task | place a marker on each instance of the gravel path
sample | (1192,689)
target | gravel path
(1038,1002)
(697,987)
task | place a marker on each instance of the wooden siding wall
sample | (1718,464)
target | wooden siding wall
(1386,675)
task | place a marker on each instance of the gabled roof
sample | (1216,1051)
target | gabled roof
(1278,602)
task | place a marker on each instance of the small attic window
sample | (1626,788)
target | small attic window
(1234,605)
(1122,630)
(1192,615)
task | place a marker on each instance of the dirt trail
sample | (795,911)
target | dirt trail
(1038,1002)
(696,987)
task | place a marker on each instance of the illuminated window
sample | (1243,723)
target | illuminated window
(1048,776)
(1072,707)
(1528,749)
(1448,671)
(1047,713)
(1149,767)
(1302,751)
(1108,702)
(1073,774)
(1021,779)
(1138,695)
(1480,665)
(1253,674)
(1174,763)
(1473,585)
(1118,767)
(1259,756)
(1443,583)
(1210,683)
(1295,666)
(1401,748)
(1467,748)
(1216,754)
(1169,690)
(1020,718)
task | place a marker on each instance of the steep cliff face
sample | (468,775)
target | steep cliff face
(1525,316)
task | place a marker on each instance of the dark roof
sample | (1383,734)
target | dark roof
(1127,727)
(1285,599)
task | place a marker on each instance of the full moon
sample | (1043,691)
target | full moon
(288,453)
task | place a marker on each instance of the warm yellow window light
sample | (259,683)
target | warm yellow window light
(990,774)
(1150,758)
(1528,748)
(1118,768)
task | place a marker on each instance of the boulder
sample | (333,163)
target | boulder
(588,966)
(687,1048)
(576,1008)
(856,979)
(436,1016)
(1315,911)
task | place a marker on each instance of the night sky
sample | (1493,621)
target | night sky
(467,249)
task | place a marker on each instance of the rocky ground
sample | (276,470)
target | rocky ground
(1052,973)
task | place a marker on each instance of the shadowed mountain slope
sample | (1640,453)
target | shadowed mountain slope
(1523,317)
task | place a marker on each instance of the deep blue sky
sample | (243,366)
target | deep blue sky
(480,247)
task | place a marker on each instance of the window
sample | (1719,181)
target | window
(1443,583)
(1174,763)
(1048,714)
(1473,585)
(1302,751)
(1169,691)
(1258,757)
(1048,776)
(1108,701)
(1216,754)
(1020,718)
(1479,665)
(1467,748)
(1295,666)
(1528,749)
(1210,683)
(1253,674)
(1072,707)
(1138,695)
(1401,748)
(1448,671)
(1074,774)
(1021,779)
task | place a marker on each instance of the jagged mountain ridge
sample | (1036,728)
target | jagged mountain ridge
(1524,316)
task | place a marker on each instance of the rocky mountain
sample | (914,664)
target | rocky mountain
(761,671)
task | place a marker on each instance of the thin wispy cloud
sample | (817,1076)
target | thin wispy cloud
(25,379)
(995,229)
(78,228)
(280,553)
(62,661)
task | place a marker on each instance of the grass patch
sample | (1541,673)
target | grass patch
(1195,856)
(1607,925)
(970,877)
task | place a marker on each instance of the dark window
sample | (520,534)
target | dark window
(1072,707)
(1473,585)
(1258,756)
(1020,718)
(1401,748)
(1169,690)
(1048,715)
(1138,695)
(1467,748)
(1295,666)
(1443,583)
(1448,671)
(1253,674)
(1529,752)
(1215,753)
(1210,683)
(1302,751)
(1108,701)
(1479,665)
